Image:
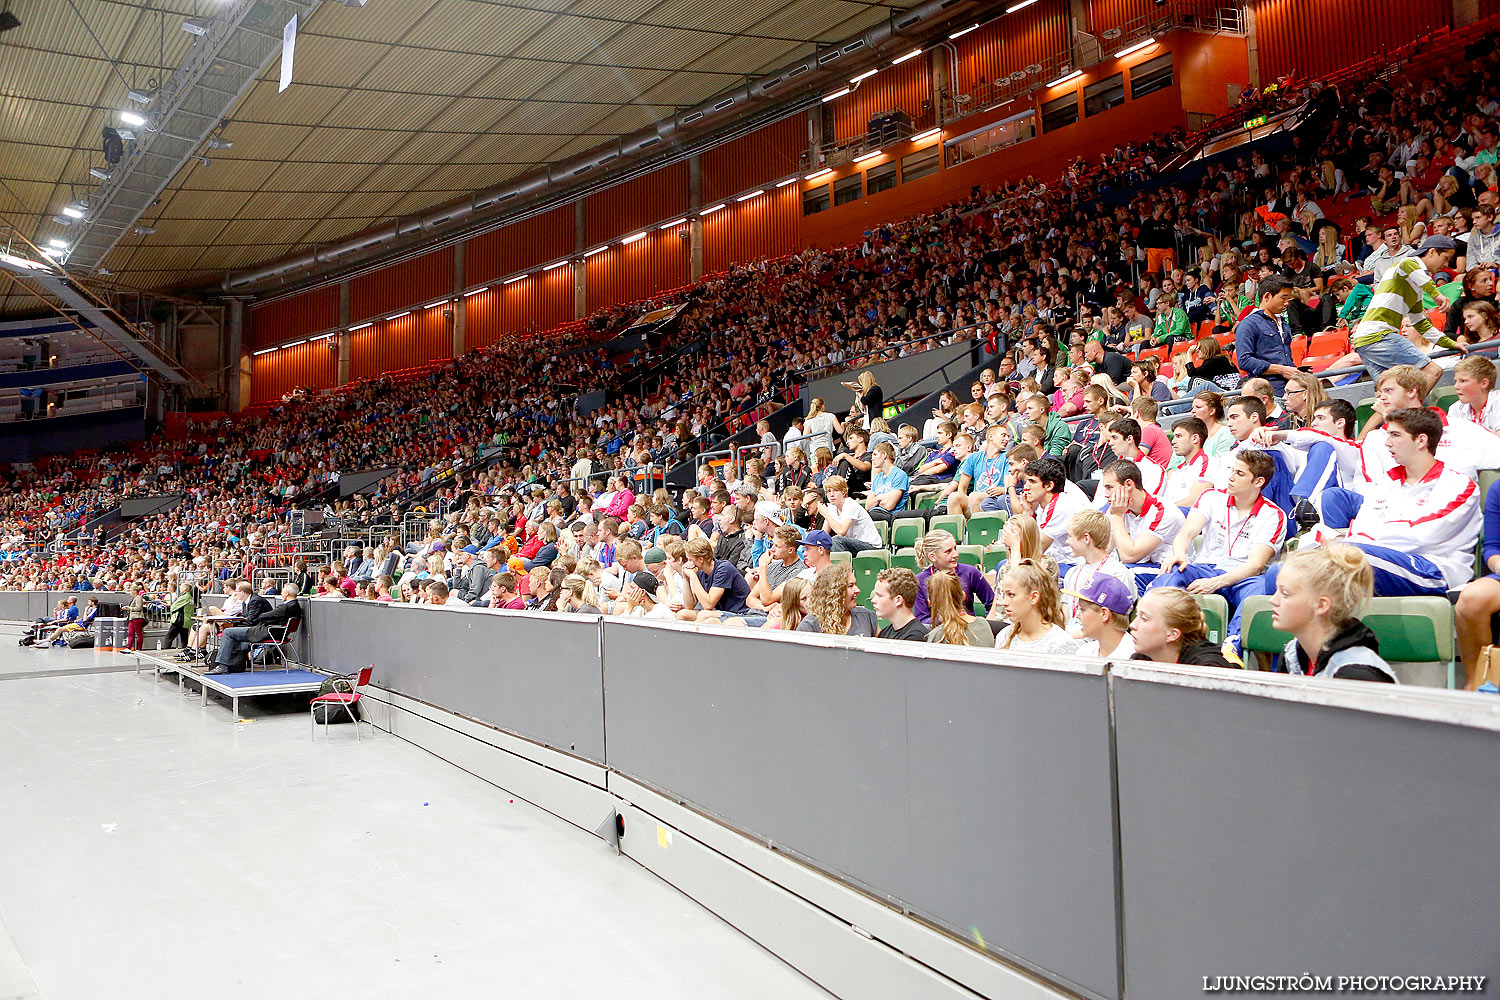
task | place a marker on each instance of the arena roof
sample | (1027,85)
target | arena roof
(396,106)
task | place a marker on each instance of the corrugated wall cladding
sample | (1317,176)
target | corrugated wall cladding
(1106,14)
(765,155)
(625,208)
(294,316)
(535,303)
(415,339)
(1311,38)
(639,270)
(1010,43)
(768,226)
(516,247)
(408,283)
(907,86)
(278,373)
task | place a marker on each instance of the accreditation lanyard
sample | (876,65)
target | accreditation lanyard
(1244,523)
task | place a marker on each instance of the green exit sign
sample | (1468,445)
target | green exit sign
(1256,122)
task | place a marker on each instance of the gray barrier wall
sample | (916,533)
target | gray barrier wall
(539,676)
(893,376)
(29,605)
(1272,826)
(917,773)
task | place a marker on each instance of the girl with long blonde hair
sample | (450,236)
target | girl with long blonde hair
(952,623)
(1033,602)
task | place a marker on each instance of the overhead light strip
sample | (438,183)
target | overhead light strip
(911,55)
(1135,48)
(360,327)
(673,224)
(921,136)
(1017,6)
(961,32)
(714,208)
(634,236)
(470,295)
(1065,78)
(869,156)
(752,194)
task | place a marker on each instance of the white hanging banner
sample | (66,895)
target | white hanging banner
(288,46)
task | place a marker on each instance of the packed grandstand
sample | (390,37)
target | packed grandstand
(1212,395)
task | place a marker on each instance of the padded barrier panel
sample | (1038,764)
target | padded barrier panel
(29,605)
(538,676)
(923,775)
(1278,825)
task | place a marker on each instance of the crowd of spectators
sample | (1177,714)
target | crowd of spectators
(1063,284)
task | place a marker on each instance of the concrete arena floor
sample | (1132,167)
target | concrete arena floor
(154,848)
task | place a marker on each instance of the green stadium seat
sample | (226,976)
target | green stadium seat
(992,559)
(1443,397)
(1487,478)
(927,501)
(984,528)
(1410,629)
(842,557)
(904,559)
(971,554)
(1256,633)
(905,531)
(883,529)
(1363,410)
(951,523)
(1215,614)
(867,566)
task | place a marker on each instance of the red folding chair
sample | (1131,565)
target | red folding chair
(348,699)
(281,641)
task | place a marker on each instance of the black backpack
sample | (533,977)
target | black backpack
(327,712)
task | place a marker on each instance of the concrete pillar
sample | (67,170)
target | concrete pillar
(238,366)
(815,138)
(1084,46)
(1465,12)
(580,268)
(341,375)
(695,223)
(1252,46)
(460,304)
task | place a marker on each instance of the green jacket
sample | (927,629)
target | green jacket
(1056,436)
(182,609)
(1171,328)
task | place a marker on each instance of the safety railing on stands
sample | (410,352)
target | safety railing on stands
(1199,15)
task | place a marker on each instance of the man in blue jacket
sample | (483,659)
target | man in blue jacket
(1263,339)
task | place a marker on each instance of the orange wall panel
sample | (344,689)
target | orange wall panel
(524,244)
(294,316)
(414,339)
(1106,14)
(638,270)
(278,373)
(994,50)
(1216,59)
(764,155)
(907,86)
(657,197)
(767,226)
(408,283)
(1312,38)
(535,303)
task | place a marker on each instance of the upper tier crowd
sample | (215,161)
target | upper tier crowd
(1108,514)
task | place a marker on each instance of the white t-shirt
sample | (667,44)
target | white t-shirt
(1488,417)
(1054,640)
(1052,519)
(1228,536)
(1081,575)
(861,528)
(658,611)
(1181,481)
(821,425)
(1124,651)
(1164,520)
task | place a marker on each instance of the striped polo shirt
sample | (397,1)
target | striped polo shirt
(1397,297)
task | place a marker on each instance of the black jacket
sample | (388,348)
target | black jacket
(256,608)
(1360,659)
(1200,654)
(260,628)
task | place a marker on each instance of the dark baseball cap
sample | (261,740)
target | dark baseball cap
(818,539)
(646,581)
